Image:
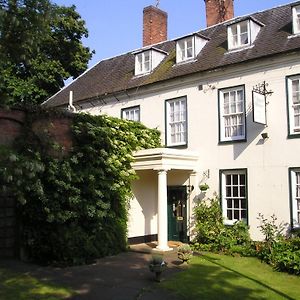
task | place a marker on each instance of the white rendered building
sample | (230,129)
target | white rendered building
(227,102)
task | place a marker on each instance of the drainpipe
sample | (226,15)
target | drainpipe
(71,106)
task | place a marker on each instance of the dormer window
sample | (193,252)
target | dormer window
(239,34)
(147,60)
(142,61)
(189,47)
(186,49)
(296,19)
(242,34)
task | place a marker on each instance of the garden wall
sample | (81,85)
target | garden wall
(11,128)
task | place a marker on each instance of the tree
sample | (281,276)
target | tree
(40,47)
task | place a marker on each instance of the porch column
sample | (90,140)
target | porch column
(162,213)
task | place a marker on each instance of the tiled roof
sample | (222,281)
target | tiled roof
(117,74)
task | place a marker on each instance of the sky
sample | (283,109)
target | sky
(115,26)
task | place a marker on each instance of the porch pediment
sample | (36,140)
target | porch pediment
(165,159)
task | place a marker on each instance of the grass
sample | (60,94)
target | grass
(213,276)
(15,286)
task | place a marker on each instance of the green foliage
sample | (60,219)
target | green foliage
(40,47)
(271,231)
(280,252)
(73,210)
(213,235)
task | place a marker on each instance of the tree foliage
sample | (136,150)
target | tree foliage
(40,47)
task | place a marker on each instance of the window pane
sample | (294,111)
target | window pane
(243,204)
(229,203)
(244,214)
(296,91)
(228,192)
(236,203)
(228,179)
(229,214)
(140,62)
(235,191)
(242,191)
(235,179)
(244,33)
(236,215)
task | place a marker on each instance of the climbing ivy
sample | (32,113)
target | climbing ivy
(74,209)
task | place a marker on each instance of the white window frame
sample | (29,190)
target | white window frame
(234,197)
(232,116)
(239,43)
(131,113)
(293,106)
(295,196)
(182,49)
(296,19)
(143,62)
(176,122)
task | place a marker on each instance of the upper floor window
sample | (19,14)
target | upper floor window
(295,196)
(189,47)
(142,62)
(234,195)
(147,60)
(296,19)
(293,86)
(131,113)
(185,49)
(232,120)
(239,35)
(176,122)
(243,33)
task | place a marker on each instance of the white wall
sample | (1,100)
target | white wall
(267,161)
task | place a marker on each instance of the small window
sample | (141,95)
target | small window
(296,19)
(243,34)
(131,113)
(176,122)
(232,118)
(234,196)
(186,49)
(143,61)
(295,196)
(239,35)
(293,86)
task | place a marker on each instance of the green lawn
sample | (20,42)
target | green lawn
(213,276)
(15,286)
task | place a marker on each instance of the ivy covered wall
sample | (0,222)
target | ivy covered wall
(71,176)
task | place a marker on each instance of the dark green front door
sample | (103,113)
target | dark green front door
(177,213)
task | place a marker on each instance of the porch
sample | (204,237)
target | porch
(159,168)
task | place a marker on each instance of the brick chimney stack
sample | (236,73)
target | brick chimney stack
(218,11)
(155,25)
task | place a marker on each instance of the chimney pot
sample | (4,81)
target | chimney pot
(155,27)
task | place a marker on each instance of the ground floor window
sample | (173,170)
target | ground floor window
(295,196)
(234,195)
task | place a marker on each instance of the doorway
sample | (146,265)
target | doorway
(177,213)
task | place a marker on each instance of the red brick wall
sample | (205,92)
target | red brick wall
(11,124)
(155,25)
(47,131)
(218,11)
(54,130)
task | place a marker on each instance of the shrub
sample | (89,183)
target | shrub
(280,252)
(213,235)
